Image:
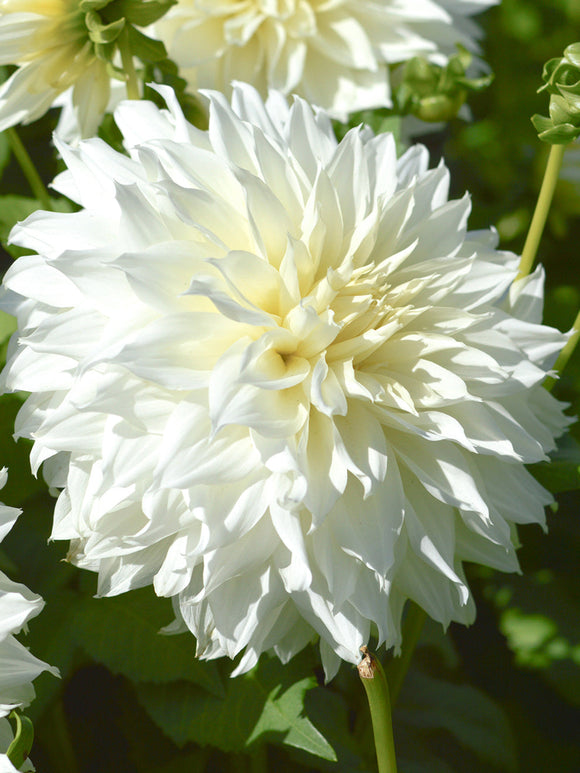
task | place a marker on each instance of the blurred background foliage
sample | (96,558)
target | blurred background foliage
(502,695)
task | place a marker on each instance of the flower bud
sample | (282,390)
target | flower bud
(561,78)
(434,93)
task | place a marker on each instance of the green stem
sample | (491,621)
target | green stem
(398,667)
(375,683)
(36,184)
(542,208)
(565,354)
(128,66)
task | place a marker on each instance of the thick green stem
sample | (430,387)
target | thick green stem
(542,208)
(375,683)
(128,66)
(21,154)
(565,354)
(398,667)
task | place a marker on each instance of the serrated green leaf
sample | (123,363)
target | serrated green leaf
(478,723)
(283,713)
(331,714)
(123,633)
(267,705)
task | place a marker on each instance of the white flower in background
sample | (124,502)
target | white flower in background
(277,378)
(66,52)
(335,53)
(48,41)
(18,667)
(570,171)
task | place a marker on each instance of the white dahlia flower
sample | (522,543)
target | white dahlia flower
(48,41)
(277,378)
(570,171)
(335,53)
(18,667)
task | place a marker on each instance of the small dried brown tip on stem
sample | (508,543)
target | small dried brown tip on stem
(367,667)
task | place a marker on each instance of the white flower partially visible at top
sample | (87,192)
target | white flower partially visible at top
(335,53)
(277,378)
(18,667)
(48,41)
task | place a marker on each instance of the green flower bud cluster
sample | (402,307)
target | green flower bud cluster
(561,78)
(110,21)
(433,93)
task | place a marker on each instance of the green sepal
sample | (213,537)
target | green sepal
(141,13)
(103,34)
(92,5)
(562,134)
(105,52)
(561,78)
(19,749)
(105,20)
(115,72)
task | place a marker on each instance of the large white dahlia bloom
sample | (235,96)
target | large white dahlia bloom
(276,377)
(335,53)
(18,667)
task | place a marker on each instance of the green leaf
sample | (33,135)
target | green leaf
(15,209)
(141,13)
(562,472)
(539,618)
(21,483)
(475,720)
(147,49)
(331,714)
(283,713)
(7,325)
(123,633)
(50,639)
(266,704)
